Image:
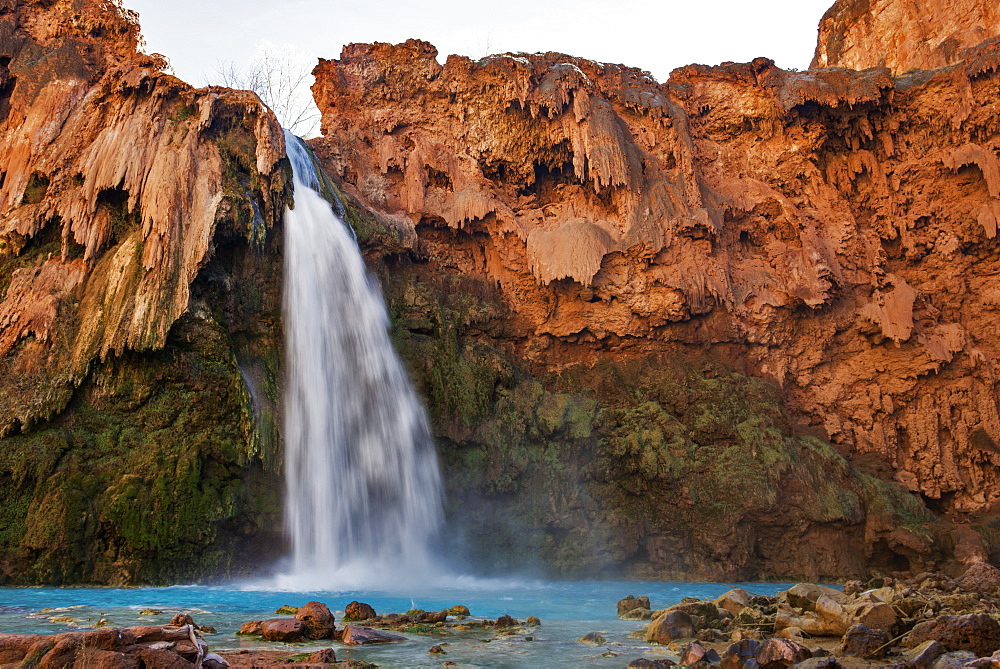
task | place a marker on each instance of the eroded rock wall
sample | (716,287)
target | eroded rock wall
(903,35)
(139,317)
(831,231)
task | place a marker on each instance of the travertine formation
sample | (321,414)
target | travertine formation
(903,35)
(139,312)
(128,170)
(831,230)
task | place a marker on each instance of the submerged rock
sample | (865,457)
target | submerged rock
(355,635)
(593,638)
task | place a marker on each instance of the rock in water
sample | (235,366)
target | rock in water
(355,635)
(359,611)
(283,629)
(631,602)
(317,619)
(670,627)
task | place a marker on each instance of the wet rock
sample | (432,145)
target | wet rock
(637,614)
(863,641)
(251,627)
(459,610)
(669,627)
(923,656)
(287,610)
(360,611)
(776,653)
(631,603)
(805,595)
(182,619)
(317,620)
(976,632)
(592,638)
(356,635)
(150,612)
(505,621)
(532,621)
(436,650)
(432,618)
(282,629)
(739,653)
(653,664)
(734,600)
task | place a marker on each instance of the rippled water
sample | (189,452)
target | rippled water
(567,610)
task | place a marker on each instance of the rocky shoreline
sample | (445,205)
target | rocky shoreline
(929,621)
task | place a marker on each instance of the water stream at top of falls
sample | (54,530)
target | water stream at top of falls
(363,497)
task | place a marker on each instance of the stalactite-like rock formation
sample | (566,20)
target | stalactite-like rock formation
(129,169)
(831,230)
(903,35)
(134,210)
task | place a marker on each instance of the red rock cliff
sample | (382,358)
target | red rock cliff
(903,35)
(121,163)
(834,231)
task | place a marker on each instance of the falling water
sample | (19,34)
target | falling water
(363,498)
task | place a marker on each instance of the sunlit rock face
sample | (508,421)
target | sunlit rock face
(903,35)
(830,230)
(129,206)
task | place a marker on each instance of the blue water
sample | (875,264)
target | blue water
(568,610)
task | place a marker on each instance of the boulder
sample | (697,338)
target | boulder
(436,650)
(593,638)
(923,656)
(162,659)
(182,619)
(432,618)
(652,664)
(637,614)
(739,653)
(976,632)
(532,621)
(317,620)
(251,627)
(865,642)
(215,661)
(804,595)
(777,653)
(983,663)
(631,602)
(669,627)
(878,616)
(356,635)
(980,578)
(695,653)
(359,611)
(505,621)
(734,600)
(282,629)
(459,610)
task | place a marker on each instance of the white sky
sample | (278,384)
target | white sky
(658,36)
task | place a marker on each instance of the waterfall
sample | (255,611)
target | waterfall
(363,496)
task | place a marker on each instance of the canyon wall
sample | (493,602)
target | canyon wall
(903,35)
(140,319)
(654,249)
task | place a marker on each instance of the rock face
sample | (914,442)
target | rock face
(903,35)
(823,230)
(136,326)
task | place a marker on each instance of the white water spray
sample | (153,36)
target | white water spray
(363,498)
